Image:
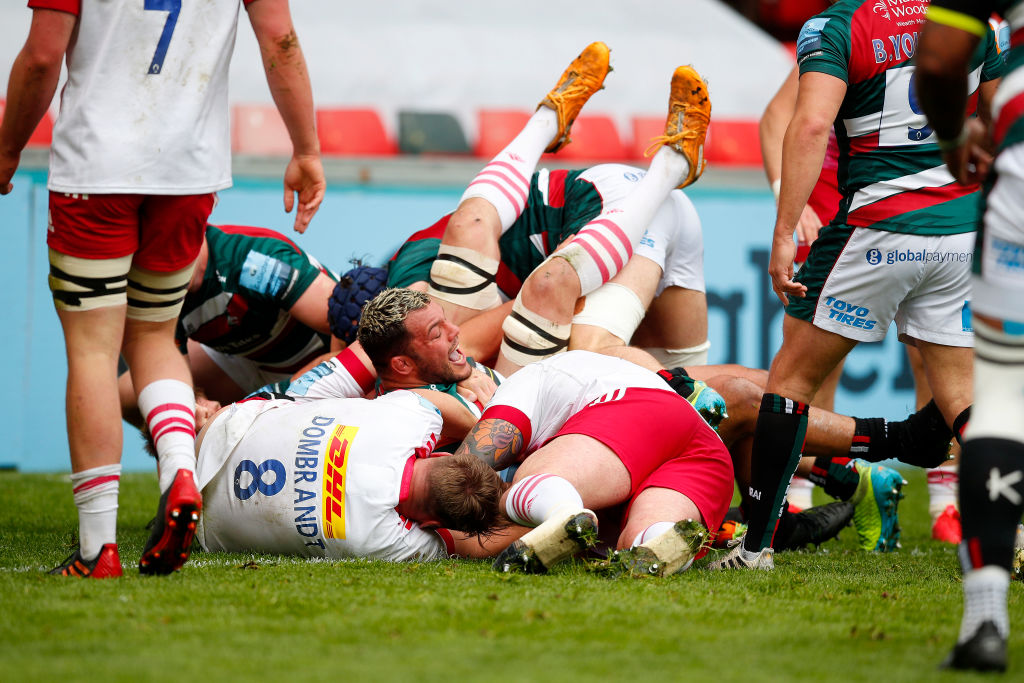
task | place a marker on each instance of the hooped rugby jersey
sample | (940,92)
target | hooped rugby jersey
(1008,104)
(891,173)
(145,106)
(253,277)
(319,479)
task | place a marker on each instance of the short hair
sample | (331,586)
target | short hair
(466,494)
(382,332)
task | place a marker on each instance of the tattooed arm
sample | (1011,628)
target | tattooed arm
(498,443)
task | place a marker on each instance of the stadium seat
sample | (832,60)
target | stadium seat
(594,138)
(42,136)
(258,129)
(353,132)
(496,128)
(421,132)
(734,142)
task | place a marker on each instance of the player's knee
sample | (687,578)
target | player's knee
(528,337)
(464,277)
(613,308)
(78,284)
(742,398)
(553,284)
(156,297)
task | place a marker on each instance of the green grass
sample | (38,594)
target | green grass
(836,614)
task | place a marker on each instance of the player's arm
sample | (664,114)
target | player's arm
(772,128)
(310,309)
(31,86)
(803,151)
(480,547)
(495,441)
(288,79)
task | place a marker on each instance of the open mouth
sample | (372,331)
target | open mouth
(456,355)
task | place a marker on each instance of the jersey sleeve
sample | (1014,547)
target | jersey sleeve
(824,46)
(994,65)
(70,6)
(277,274)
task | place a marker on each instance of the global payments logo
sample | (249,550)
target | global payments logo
(874,256)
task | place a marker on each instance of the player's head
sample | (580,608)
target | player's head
(407,337)
(353,290)
(465,494)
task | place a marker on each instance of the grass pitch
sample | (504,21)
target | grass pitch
(835,614)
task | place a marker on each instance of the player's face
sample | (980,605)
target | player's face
(434,346)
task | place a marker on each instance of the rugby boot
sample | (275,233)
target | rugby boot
(874,515)
(946,527)
(730,530)
(170,541)
(106,565)
(555,540)
(584,77)
(813,525)
(1017,571)
(738,558)
(670,552)
(689,113)
(984,651)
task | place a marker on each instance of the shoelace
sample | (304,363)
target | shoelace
(687,133)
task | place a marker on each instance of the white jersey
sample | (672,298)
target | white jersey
(145,107)
(318,479)
(551,391)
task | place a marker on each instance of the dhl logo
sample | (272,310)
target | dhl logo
(335,468)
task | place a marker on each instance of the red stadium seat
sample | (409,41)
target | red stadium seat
(594,138)
(496,128)
(734,142)
(353,132)
(42,136)
(258,129)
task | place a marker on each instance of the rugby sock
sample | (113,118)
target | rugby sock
(168,406)
(534,499)
(800,491)
(505,180)
(778,440)
(837,476)
(602,246)
(652,532)
(922,439)
(943,483)
(869,439)
(960,424)
(991,501)
(985,600)
(95,492)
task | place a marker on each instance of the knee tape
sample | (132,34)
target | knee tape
(998,380)
(528,337)
(79,284)
(156,297)
(681,358)
(464,277)
(612,307)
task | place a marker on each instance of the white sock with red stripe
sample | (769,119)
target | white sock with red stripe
(505,180)
(602,246)
(652,532)
(95,493)
(169,407)
(943,489)
(534,499)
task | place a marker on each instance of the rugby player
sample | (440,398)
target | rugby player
(140,146)
(992,478)
(898,199)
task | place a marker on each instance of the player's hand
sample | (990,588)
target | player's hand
(477,387)
(970,162)
(780,267)
(305,177)
(808,226)
(709,403)
(8,165)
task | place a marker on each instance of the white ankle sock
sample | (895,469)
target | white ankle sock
(653,531)
(169,406)
(536,498)
(95,492)
(943,484)
(985,600)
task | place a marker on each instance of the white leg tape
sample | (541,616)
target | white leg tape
(681,358)
(612,307)
(464,277)
(529,337)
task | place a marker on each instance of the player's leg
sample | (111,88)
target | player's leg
(992,469)
(462,278)
(540,321)
(171,232)
(555,488)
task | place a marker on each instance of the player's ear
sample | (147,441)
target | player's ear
(402,365)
